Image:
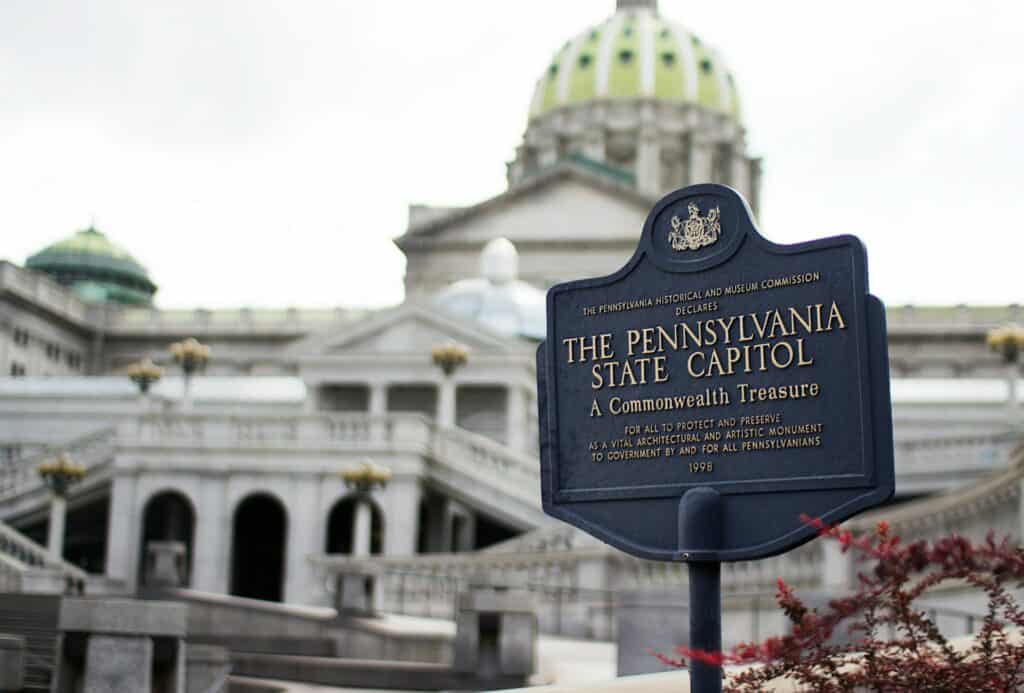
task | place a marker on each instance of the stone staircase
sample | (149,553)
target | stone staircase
(25,566)
(488,476)
(33,617)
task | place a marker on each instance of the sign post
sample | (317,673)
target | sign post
(695,403)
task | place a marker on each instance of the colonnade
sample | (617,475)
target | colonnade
(218,531)
(233,524)
(519,420)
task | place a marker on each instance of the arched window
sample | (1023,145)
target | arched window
(258,542)
(168,516)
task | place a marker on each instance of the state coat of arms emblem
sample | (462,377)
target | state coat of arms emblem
(697,231)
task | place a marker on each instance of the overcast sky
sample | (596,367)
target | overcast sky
(264,153)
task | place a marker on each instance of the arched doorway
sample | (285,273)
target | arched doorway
(341,527)
(258,548)
(168,516)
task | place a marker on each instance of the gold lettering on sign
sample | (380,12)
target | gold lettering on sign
(721,359)
(723,346)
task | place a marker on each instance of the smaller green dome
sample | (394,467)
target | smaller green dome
(96,269)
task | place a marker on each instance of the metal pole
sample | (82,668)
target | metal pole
(705,624)
(700,538)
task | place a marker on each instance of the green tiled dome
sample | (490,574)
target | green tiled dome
(96,269)
(636,54)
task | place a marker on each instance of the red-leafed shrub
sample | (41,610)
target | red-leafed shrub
(893,646)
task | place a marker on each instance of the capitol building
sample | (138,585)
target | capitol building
(240,480)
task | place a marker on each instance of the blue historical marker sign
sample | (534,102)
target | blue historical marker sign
(715,360)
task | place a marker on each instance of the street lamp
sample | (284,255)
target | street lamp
(448,357)
(144,373)
(1008,342)
(58,475)
(362,479)
(193,357)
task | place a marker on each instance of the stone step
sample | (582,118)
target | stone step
(33,617)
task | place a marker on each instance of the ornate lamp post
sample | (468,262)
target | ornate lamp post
(144,373)
(58,475)
(193,357)
(448,357)
(362,479)
(1008,342)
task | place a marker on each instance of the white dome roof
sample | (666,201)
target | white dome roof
(498,299)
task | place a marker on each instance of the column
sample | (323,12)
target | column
(123,531)
(58,516)
(515,418)
(301,540)
(400,503)
(361,528)
(592,145)
(310,405)
(754,192)
(740,178)
(547,150)
(446,403)
(378,399)
(212,538)
(648,163)
(701,159)
(462,525)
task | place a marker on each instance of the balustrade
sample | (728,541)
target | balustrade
(427,585)
(20,556)
(90,451)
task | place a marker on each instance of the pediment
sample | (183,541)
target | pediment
(567,207)
(408,329)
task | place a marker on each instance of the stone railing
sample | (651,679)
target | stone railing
(948,462)
(484,471)
(26,566)
(428,585)
(248,321)
(473,456)
(341,432)
(800,567)
(90,451)
(951,318)
(574,588)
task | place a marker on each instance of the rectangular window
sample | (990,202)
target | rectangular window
(17,369)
